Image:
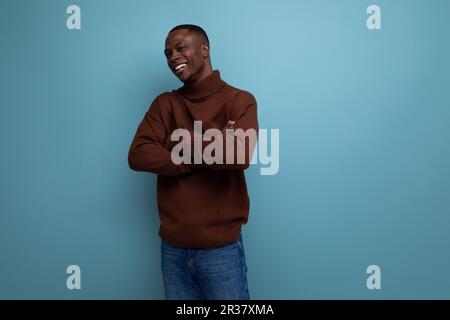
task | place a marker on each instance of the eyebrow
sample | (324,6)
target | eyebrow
(165,50)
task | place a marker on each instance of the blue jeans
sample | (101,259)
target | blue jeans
(204,274)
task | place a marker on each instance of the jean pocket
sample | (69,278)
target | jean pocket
(240,247)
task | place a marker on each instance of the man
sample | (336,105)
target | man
(202,205)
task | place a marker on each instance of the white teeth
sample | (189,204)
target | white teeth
(178,67)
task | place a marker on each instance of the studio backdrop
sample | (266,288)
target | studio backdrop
(349,198)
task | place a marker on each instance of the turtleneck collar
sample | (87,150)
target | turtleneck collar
(204,89)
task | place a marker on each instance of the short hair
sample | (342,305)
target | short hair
(193,28)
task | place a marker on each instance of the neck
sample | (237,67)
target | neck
(203,89)
(207,70)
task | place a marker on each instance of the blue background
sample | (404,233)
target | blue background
(364,125)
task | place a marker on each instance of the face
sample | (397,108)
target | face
(186,56)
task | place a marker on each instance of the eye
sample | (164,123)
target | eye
(181,48)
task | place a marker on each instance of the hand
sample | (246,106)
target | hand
(229,125)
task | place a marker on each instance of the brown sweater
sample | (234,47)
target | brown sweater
(200,205)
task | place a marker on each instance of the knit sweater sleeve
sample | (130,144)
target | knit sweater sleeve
(148,151)
(237,144)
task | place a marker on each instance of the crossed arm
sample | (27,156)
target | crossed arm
(151,147)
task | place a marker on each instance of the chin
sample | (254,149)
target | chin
(186,79)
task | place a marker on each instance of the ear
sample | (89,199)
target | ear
(205,51)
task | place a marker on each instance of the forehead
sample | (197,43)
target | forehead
(179,35)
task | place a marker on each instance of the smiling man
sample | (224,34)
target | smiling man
(201,206)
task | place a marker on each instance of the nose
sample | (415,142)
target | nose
(174,58)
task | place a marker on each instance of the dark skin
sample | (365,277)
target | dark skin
(184,46)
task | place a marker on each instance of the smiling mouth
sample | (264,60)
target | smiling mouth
(180,68)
